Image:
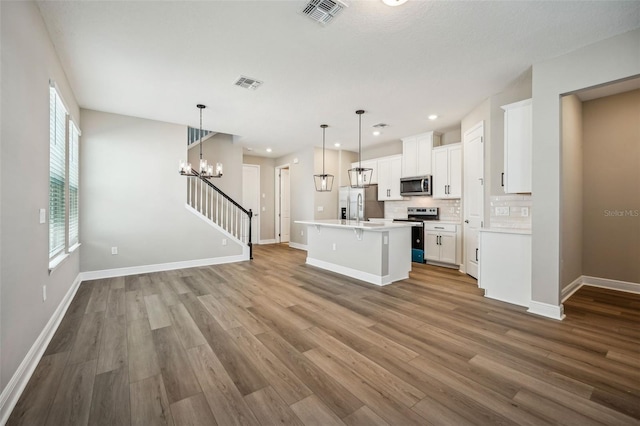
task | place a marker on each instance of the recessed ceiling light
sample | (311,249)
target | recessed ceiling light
(249,149)
(394,2)
(337,144)
(432,117)
(376,133)
(269,149)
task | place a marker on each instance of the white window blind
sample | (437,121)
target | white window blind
(57,173)
(73,183)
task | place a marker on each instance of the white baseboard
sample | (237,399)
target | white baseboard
(350,272)
(627,286)
(271,241)
(568,291)
(145,269)
(15,387)
(607,283)
(298,246)
(546,310)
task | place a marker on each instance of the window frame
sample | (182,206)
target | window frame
(70,157)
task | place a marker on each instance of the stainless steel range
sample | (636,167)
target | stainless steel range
(417,216)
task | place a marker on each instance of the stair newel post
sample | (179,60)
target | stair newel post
(249,242)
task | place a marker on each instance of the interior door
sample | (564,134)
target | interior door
(251,197)
(473,195)
(285,206)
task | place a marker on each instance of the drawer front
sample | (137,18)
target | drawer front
(440,227)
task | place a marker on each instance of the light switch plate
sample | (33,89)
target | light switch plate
(43,215)
(524,211)
(114,250)
(320,208)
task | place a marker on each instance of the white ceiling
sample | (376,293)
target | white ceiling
(157,60)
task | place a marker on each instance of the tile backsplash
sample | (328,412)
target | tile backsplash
(450,210)
(510,211)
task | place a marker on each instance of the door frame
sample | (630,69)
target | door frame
(278,201)
(255,234)
(465,234)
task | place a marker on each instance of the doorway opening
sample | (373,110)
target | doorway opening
(283,203)
(251,197)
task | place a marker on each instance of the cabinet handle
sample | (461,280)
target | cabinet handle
(502,179)
(476,255)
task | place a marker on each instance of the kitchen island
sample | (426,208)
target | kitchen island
(378,253)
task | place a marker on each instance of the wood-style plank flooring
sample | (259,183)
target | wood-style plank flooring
(273,341)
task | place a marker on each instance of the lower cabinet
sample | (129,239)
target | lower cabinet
(441,243)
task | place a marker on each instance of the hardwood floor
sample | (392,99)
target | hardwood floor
(274,341)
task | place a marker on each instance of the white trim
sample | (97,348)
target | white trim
(626,286)
(298,246)
(270,241)
(353,273)
(15,387)
(546,310)
(74,247)
(57,261)
(568,291)
(277,196)
(145,269)
(583,280)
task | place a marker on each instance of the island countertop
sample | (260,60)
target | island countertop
(356,224)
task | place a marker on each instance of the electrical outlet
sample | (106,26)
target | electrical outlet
(224,241)
(302,233)
(44,293)
(264,209)
(320,208)
(524,211)
(502,211)
(114,250)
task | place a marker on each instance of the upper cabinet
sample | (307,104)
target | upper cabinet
(447,171)
(389,170)
(369,164)
(517,147)
(416,150)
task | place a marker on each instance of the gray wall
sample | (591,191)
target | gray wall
(381,150)
(28,62)
(612,59)
(302,191)
(133,197)
(611,135)
(220,148)
(267,194)
(572,161)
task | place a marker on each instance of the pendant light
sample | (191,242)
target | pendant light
(360,177)
(206,170)
(324,182)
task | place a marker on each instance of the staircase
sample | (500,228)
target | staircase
(229,216)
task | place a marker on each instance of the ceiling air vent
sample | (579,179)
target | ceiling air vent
(323,11)
(248,83)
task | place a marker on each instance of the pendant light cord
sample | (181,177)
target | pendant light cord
(199,106)
(360,141)
(323,130)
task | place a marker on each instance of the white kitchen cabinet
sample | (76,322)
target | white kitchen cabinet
(441,243)
(517,147)
(369,164)
(505,265)
(447,171)
(416,154)
(389,171)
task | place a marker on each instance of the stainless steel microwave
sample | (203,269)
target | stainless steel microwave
(420,185)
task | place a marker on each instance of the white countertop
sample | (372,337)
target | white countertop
(507,231)
(356,224)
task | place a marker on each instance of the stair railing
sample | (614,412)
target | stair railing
(221,209)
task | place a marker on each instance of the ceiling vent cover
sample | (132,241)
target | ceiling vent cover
(323,11)
(248,82)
